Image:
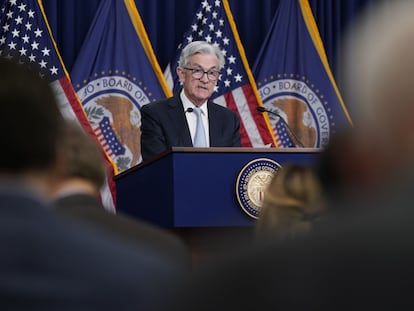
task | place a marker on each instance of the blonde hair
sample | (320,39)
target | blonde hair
(291,203)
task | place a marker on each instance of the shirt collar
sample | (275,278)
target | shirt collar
(188,104)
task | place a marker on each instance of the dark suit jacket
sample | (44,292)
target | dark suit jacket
(47,263)
(164,125)
(87,209)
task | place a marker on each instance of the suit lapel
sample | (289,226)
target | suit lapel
(179,121)
(213,122)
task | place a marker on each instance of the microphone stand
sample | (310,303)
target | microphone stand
(298,142)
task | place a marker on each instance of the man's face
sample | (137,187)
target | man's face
(198,90)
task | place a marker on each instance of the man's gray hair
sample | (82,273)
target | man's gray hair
(200,47)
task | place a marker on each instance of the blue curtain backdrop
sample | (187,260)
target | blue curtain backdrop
(167,20)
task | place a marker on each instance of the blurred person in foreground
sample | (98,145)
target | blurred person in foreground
(173,121)
(292,203)
(76,194)
(47,263)
(341,171)
(362,259)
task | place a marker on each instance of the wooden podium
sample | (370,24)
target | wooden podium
(192,191)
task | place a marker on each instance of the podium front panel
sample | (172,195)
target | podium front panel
(192,187)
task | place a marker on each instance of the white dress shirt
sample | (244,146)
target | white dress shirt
(192,117)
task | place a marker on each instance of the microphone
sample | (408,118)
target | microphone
(189,109)
(263,109)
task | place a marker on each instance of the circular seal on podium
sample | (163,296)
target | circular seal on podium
(252,182)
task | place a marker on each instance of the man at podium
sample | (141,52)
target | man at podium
(189,118)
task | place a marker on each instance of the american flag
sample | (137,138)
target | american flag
(25,36)
(108,138)
(282,135)
(236,89)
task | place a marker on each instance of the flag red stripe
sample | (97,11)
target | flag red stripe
(75,104)
(257,116)
(83,120)
(245,140)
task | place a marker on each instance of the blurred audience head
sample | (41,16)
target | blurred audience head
(81,162)
(344,171)
(292,203)
(30,121)
(379,62)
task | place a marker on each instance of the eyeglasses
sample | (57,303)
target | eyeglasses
(198,73)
